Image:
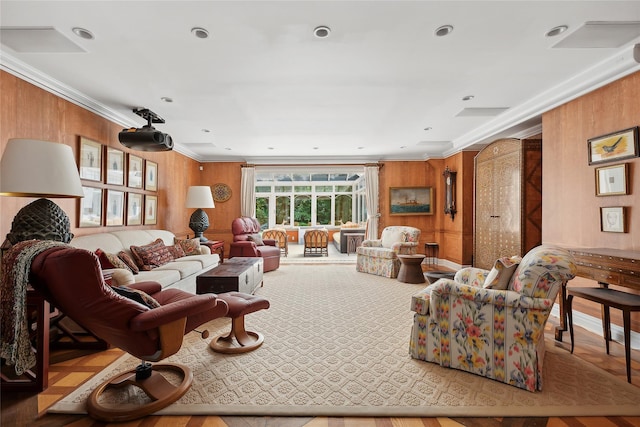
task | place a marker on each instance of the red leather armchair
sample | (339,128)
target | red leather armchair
(242,246)
(71,279)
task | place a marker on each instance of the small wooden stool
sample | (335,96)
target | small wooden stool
(608,298)
(239,305)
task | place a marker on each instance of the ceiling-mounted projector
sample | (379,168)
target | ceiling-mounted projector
(146,138)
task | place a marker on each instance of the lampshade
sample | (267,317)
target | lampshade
(32,168)
(199,196)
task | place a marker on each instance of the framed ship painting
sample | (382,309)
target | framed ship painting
(411,201)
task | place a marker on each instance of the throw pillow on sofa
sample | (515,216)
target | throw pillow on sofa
(129,262)
(151,256)
(176,251)
(109,261)
(189,246)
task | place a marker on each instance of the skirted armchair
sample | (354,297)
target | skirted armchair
(380,257)
(491,323)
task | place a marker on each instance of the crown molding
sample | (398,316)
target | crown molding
(25,72)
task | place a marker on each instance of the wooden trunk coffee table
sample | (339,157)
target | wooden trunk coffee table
(240,274)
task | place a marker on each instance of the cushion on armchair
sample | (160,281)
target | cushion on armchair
(391,236)
(256,239)
(501,273)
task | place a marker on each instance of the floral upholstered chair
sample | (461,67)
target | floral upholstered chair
(380,256)
(491,323)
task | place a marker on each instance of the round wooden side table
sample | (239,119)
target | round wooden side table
(411,268)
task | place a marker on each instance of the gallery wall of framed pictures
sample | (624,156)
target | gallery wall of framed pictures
(120,189)
(613,180)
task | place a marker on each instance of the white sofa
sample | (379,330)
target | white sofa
(180,273)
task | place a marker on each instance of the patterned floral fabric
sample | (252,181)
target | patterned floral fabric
(374,258)
(189,246)
(151,256)
(176,251)
(498,334)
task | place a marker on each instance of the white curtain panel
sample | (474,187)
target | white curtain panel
(247,201)
(371,192)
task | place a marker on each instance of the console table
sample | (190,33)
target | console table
(607,267)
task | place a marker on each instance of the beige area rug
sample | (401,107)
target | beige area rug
(296,256)
(336,344)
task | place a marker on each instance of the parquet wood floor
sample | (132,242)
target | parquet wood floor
(71,368)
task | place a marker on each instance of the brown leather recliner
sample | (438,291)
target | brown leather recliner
(71,279)
(242,246)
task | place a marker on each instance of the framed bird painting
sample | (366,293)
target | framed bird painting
(614,146)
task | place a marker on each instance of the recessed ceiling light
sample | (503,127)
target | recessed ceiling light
(269,148)
(556,31)
(468,98)
(360,148)
(200,32)
(428,128)
(83,33)
(227,148)
(206,130)
(315,148)
(166,99)
(443,30)
(403,147)
(322,31)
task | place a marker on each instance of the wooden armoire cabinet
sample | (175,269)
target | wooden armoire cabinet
(508,200)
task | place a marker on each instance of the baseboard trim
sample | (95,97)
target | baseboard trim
(594,325)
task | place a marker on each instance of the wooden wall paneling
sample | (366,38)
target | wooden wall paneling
(31,112)
(408,174)
(570,212)
(224,213)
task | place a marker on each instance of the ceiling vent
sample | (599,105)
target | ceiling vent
(481,112)
(37,40)
(601,34)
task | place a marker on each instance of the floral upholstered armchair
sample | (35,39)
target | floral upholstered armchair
(380,256)
(491,323)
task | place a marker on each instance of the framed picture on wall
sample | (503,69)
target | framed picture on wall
(90,208)
(150,210)
(612,180)
(136,173)
(612,219)
(115,208)
(614,146)
(134,209)
(115,166)
(151,176)
(411,201)
(90,164)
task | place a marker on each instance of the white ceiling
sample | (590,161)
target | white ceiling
(269,91)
